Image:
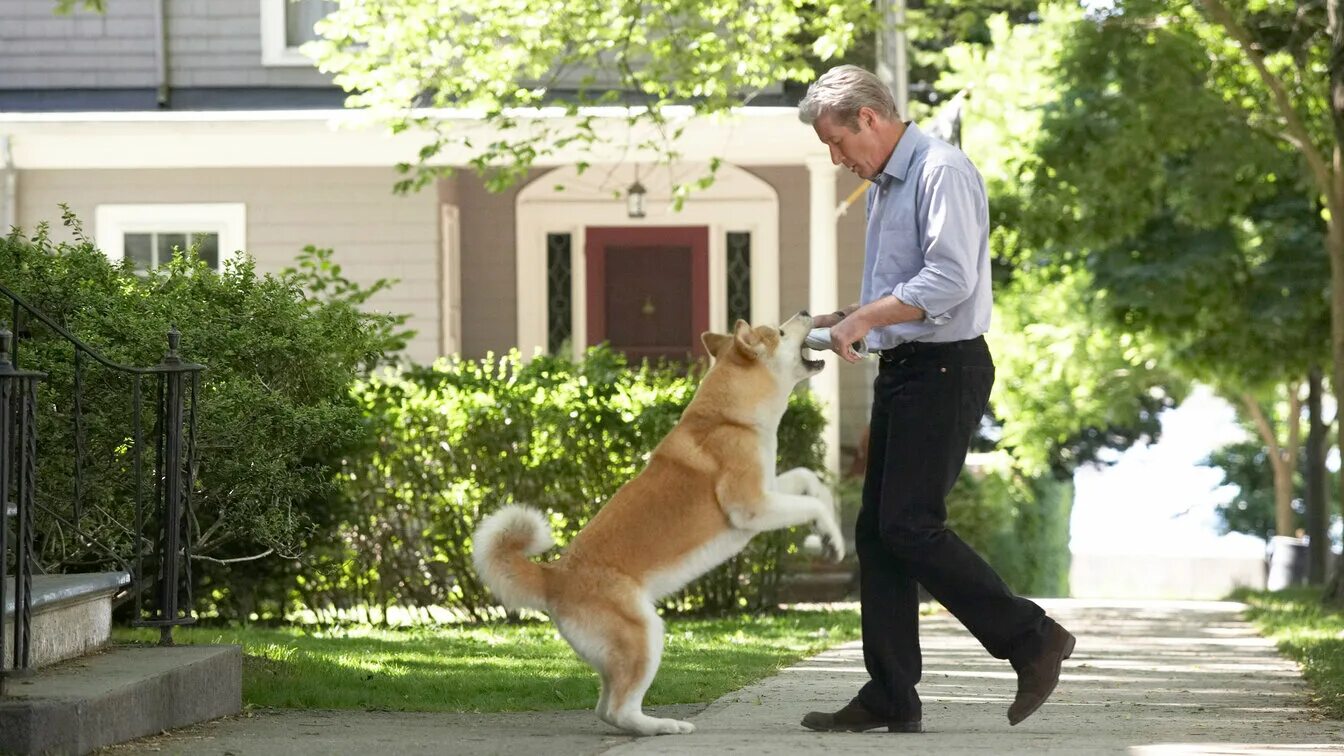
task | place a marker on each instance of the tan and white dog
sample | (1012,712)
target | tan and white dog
(710,485)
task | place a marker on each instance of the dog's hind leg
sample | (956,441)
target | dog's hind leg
(631,673)
(624,643)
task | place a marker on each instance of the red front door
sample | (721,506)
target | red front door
(648,290)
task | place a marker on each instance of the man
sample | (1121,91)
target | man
(924,307)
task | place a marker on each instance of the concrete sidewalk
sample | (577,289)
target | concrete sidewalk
(1146,678)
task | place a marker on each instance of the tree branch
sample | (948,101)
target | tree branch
(252,558)
(1320,168)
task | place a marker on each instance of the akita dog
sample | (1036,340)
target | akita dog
(710,485)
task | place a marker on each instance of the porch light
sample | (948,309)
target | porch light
(634,198)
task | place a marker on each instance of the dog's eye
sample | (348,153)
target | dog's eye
(781,332)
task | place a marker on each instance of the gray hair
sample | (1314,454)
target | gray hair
(841,91)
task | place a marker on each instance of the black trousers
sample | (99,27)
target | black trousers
(928,400)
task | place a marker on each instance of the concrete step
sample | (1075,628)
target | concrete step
(72,615)
(122,693)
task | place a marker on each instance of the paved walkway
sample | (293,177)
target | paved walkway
(1146,678)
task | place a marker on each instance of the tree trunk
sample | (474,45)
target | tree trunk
(1318,510)
(1282,457)
(1334,197)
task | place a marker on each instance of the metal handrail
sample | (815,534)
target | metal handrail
(80,345)
(174,439)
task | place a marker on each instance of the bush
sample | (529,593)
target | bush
(1019,525)
(274,412)
(461,438)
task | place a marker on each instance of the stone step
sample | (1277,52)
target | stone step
(72,615)
(122,693)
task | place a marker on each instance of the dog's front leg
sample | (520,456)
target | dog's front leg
(777,510)
(801,480)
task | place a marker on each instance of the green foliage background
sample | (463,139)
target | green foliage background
(274,419)
(458,439)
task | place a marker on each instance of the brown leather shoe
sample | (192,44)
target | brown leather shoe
(856,717)
(1037,679)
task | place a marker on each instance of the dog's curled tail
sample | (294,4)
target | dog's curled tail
(501,547)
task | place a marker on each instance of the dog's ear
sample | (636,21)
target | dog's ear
(714,342)
(748,343)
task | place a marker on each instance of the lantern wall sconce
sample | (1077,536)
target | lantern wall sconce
(634,198)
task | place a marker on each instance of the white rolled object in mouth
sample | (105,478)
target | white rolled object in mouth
(820,339)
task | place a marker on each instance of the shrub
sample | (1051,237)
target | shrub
(1020,525)
(463,437)
(274,412)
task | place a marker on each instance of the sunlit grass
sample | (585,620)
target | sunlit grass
(1308,631)
(484,668)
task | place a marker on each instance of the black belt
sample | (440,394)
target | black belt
(911,348)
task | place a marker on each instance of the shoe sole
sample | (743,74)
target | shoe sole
(1068,651)
(903,727)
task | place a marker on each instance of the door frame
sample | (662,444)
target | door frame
(597,238)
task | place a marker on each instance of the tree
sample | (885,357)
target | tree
(399,59)
(1289,67)
(1251,510)
(1159,173)
(1070,384)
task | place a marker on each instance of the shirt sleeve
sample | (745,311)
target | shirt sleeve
(951,209)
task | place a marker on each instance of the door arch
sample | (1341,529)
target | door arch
(565,201)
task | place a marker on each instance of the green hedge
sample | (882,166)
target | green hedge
(1020,526)
(461,438)
(275,414)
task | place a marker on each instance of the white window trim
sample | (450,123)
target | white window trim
(228,219)
(274,51)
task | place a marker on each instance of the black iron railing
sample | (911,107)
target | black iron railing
(173,389)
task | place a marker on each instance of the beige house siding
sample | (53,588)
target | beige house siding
(489,264)
(375,234)
(210,44)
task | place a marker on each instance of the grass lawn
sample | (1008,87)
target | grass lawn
(484,668)
(1307,631)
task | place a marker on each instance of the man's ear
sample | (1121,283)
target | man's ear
(714,342)
(746,340)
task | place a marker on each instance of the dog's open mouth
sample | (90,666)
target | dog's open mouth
(813,366)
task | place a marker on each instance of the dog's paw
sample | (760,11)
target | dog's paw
(656,726)
(833,547)
(803,481)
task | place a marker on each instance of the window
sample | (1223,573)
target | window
(559,299)
(150,249)
(739,277)
(287,24)
(147,234)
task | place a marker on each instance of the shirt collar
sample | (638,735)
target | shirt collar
(898,165)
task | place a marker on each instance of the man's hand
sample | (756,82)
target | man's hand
(845,333)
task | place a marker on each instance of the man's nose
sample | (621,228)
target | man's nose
(835,156)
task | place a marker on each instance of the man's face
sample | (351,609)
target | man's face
(864,151)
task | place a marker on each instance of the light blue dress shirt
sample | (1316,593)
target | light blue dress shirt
(928,242)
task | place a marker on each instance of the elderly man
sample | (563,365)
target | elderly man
(924,307)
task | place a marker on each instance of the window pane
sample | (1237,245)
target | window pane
(166,244)
(739,277)
(140,250)
(300,15)
(559,268)
(208,248)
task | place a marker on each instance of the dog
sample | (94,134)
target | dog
(709,486)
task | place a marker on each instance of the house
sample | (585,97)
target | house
(167,123)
